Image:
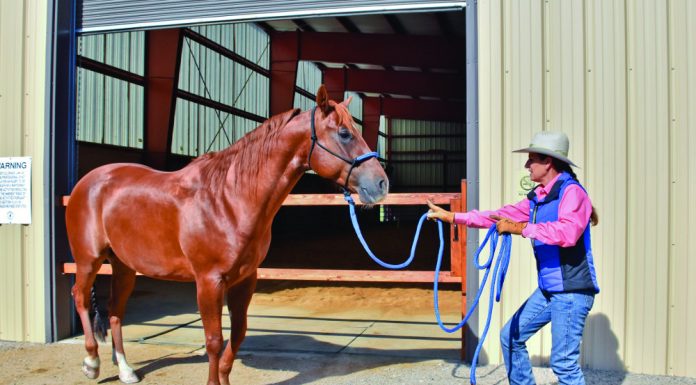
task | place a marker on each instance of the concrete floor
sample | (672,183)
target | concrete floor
(165,313)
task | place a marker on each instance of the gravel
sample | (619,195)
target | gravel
(23,363)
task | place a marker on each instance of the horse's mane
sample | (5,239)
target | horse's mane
(343,116)
(245,157)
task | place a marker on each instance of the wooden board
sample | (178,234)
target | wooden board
(401,199)
(325,275)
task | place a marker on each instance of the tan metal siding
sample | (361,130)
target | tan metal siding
(682,243)
(605,176)
(10,236)
(618,77)
(22,96)
(648,184)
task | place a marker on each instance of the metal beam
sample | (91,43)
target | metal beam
(445,86)
(419,109)
(335,83)
(115,72)
(379,49)
(216,47)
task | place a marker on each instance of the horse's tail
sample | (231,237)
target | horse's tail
(99,322)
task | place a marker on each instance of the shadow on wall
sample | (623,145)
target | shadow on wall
(599,351)
(600,344)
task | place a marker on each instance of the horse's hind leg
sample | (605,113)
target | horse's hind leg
(122,284)
(81,291)
(238,299)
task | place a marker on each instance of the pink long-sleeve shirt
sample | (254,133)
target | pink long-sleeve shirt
(574,212)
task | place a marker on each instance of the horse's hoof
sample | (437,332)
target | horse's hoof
(128,377)
(90,371)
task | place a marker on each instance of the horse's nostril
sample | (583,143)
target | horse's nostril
(382,184)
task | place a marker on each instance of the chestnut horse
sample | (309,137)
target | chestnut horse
(209,222)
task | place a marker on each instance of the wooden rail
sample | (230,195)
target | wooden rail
(341,275)
(400,199)
(325,275)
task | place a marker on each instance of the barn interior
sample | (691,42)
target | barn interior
(161,97)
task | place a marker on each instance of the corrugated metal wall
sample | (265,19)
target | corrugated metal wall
(619,77)
(23,283)
(123,50)
(356,109)
(206,73)
(109,110)
(427,154)
(308,78)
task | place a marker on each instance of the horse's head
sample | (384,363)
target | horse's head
(339,152)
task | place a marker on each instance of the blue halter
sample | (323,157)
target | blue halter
(353,163)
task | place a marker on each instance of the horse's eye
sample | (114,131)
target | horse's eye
(344,134)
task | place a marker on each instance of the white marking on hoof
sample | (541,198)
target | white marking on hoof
(128,377)
(90,367)
(125,373)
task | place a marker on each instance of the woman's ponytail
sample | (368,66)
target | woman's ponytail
(562,166)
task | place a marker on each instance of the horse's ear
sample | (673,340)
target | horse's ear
(323,99)
(346,102)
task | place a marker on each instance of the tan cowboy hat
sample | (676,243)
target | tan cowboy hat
(552,143)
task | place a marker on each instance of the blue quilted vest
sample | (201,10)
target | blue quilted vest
(561,269)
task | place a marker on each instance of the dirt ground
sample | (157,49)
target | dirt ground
(186,363)
(163,363)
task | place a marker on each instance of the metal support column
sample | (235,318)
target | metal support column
(472,164)
(161,81)
(284,57)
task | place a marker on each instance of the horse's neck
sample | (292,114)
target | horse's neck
(278,171)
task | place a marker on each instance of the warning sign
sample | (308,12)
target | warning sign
(15,190)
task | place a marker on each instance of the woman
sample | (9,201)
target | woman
(556,217)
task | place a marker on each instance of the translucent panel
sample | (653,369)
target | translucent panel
(211,75)
(125,50)
(302,102)
(441,136)
(308,76)
(246,40)
(199,129)
(109,110)
(381,138)
(430,158)
(356,105)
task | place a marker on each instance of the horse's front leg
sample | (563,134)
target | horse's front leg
(210,291)
(238,299)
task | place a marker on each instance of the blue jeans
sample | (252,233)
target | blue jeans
(567,313)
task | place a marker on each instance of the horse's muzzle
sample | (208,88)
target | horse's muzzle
(372,190)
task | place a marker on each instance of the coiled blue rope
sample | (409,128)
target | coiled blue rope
(499,272)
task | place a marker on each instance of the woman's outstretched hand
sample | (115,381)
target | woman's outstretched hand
(506,225)
(437,212)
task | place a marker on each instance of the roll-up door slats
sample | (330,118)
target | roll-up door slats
(114,15)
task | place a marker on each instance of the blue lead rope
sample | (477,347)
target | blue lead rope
(499,271)
(356,226)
